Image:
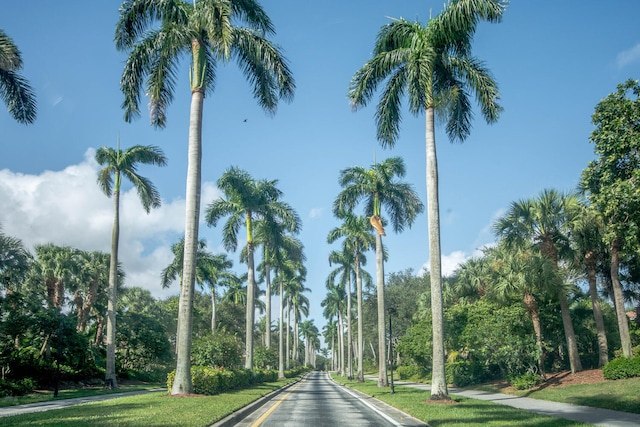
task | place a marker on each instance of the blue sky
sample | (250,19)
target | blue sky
(553,62)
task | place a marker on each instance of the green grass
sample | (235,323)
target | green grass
(463,412)
(619,395)
(46,396)
(154,409)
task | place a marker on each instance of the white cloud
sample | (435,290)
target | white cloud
(315,213)
(68,208)
(628,56)
(449,263)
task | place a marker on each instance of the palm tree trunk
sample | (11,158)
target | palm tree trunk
(360,374)
(281,335)
(603,346)
(382,363)
(341,343)
(182,383)
(532,307)
(288,356)
(268,304)
(251,307)
(439,389)
(296,355)
(213,309)
(623,322)
(110,371)
(349,334)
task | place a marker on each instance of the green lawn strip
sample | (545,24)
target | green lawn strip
(619,395)
(46,396)
(463,413)
(153,409)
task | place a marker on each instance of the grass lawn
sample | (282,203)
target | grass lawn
(46,396)
(154,409)
(619,395)
(462,412)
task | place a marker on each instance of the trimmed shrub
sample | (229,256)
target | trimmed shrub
(210,381)
(621,368)
(407,372)
(525,381)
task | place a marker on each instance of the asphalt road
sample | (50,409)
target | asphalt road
(318,401)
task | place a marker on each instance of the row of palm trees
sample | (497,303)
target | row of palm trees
(432,64)
(375,190)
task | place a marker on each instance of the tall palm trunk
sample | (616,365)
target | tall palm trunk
(349,334)
(281,334)
(296,339)
(603,347)
(549,251)
(182,383)
(288,356)
(623,323)
(382,363)
(439,389)
(213,309)
(360,374)
(532,308)
(110,369)
(251,308)
(341,343)
(268,304)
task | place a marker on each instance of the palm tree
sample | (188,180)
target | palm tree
(344,274)
(544,221)
(156,35)
(287,270)
(247,200)
(94,278)
(334,305)
(358,239)
(14,261)
(587,239)
(309,332)
(272,236)
(525,272)
(15,90)
(433,66)
(378,187)
(210,270)
(119,164)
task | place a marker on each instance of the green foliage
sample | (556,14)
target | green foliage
(416,343)
(525,381)
(265,358)
(411,372)
(209,381)
(18,387)
(217,350)
(464,373)
(622,367)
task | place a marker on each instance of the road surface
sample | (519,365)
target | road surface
(318,401)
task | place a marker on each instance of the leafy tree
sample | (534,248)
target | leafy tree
(247,200)
(431,64)
(612,183)
(156,35)
(15,90)
(119,164)
(379,187)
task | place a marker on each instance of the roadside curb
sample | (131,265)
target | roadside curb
(233,418)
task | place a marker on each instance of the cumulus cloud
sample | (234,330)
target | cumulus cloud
(628,56)
(67,207)
(449,263)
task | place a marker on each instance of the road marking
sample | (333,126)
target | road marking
(273,408)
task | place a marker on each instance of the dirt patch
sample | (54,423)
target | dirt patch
(561,379)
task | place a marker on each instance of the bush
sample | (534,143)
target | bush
(209,381)
(17,387)
(408,372)
(526,381)
(220,350)
(621,368)
(464,373)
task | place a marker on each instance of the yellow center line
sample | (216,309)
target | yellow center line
(273,408)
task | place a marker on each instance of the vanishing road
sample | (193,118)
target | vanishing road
(318,401)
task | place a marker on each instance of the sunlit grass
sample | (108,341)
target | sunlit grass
(153,409)
(463,412)
(46,396)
